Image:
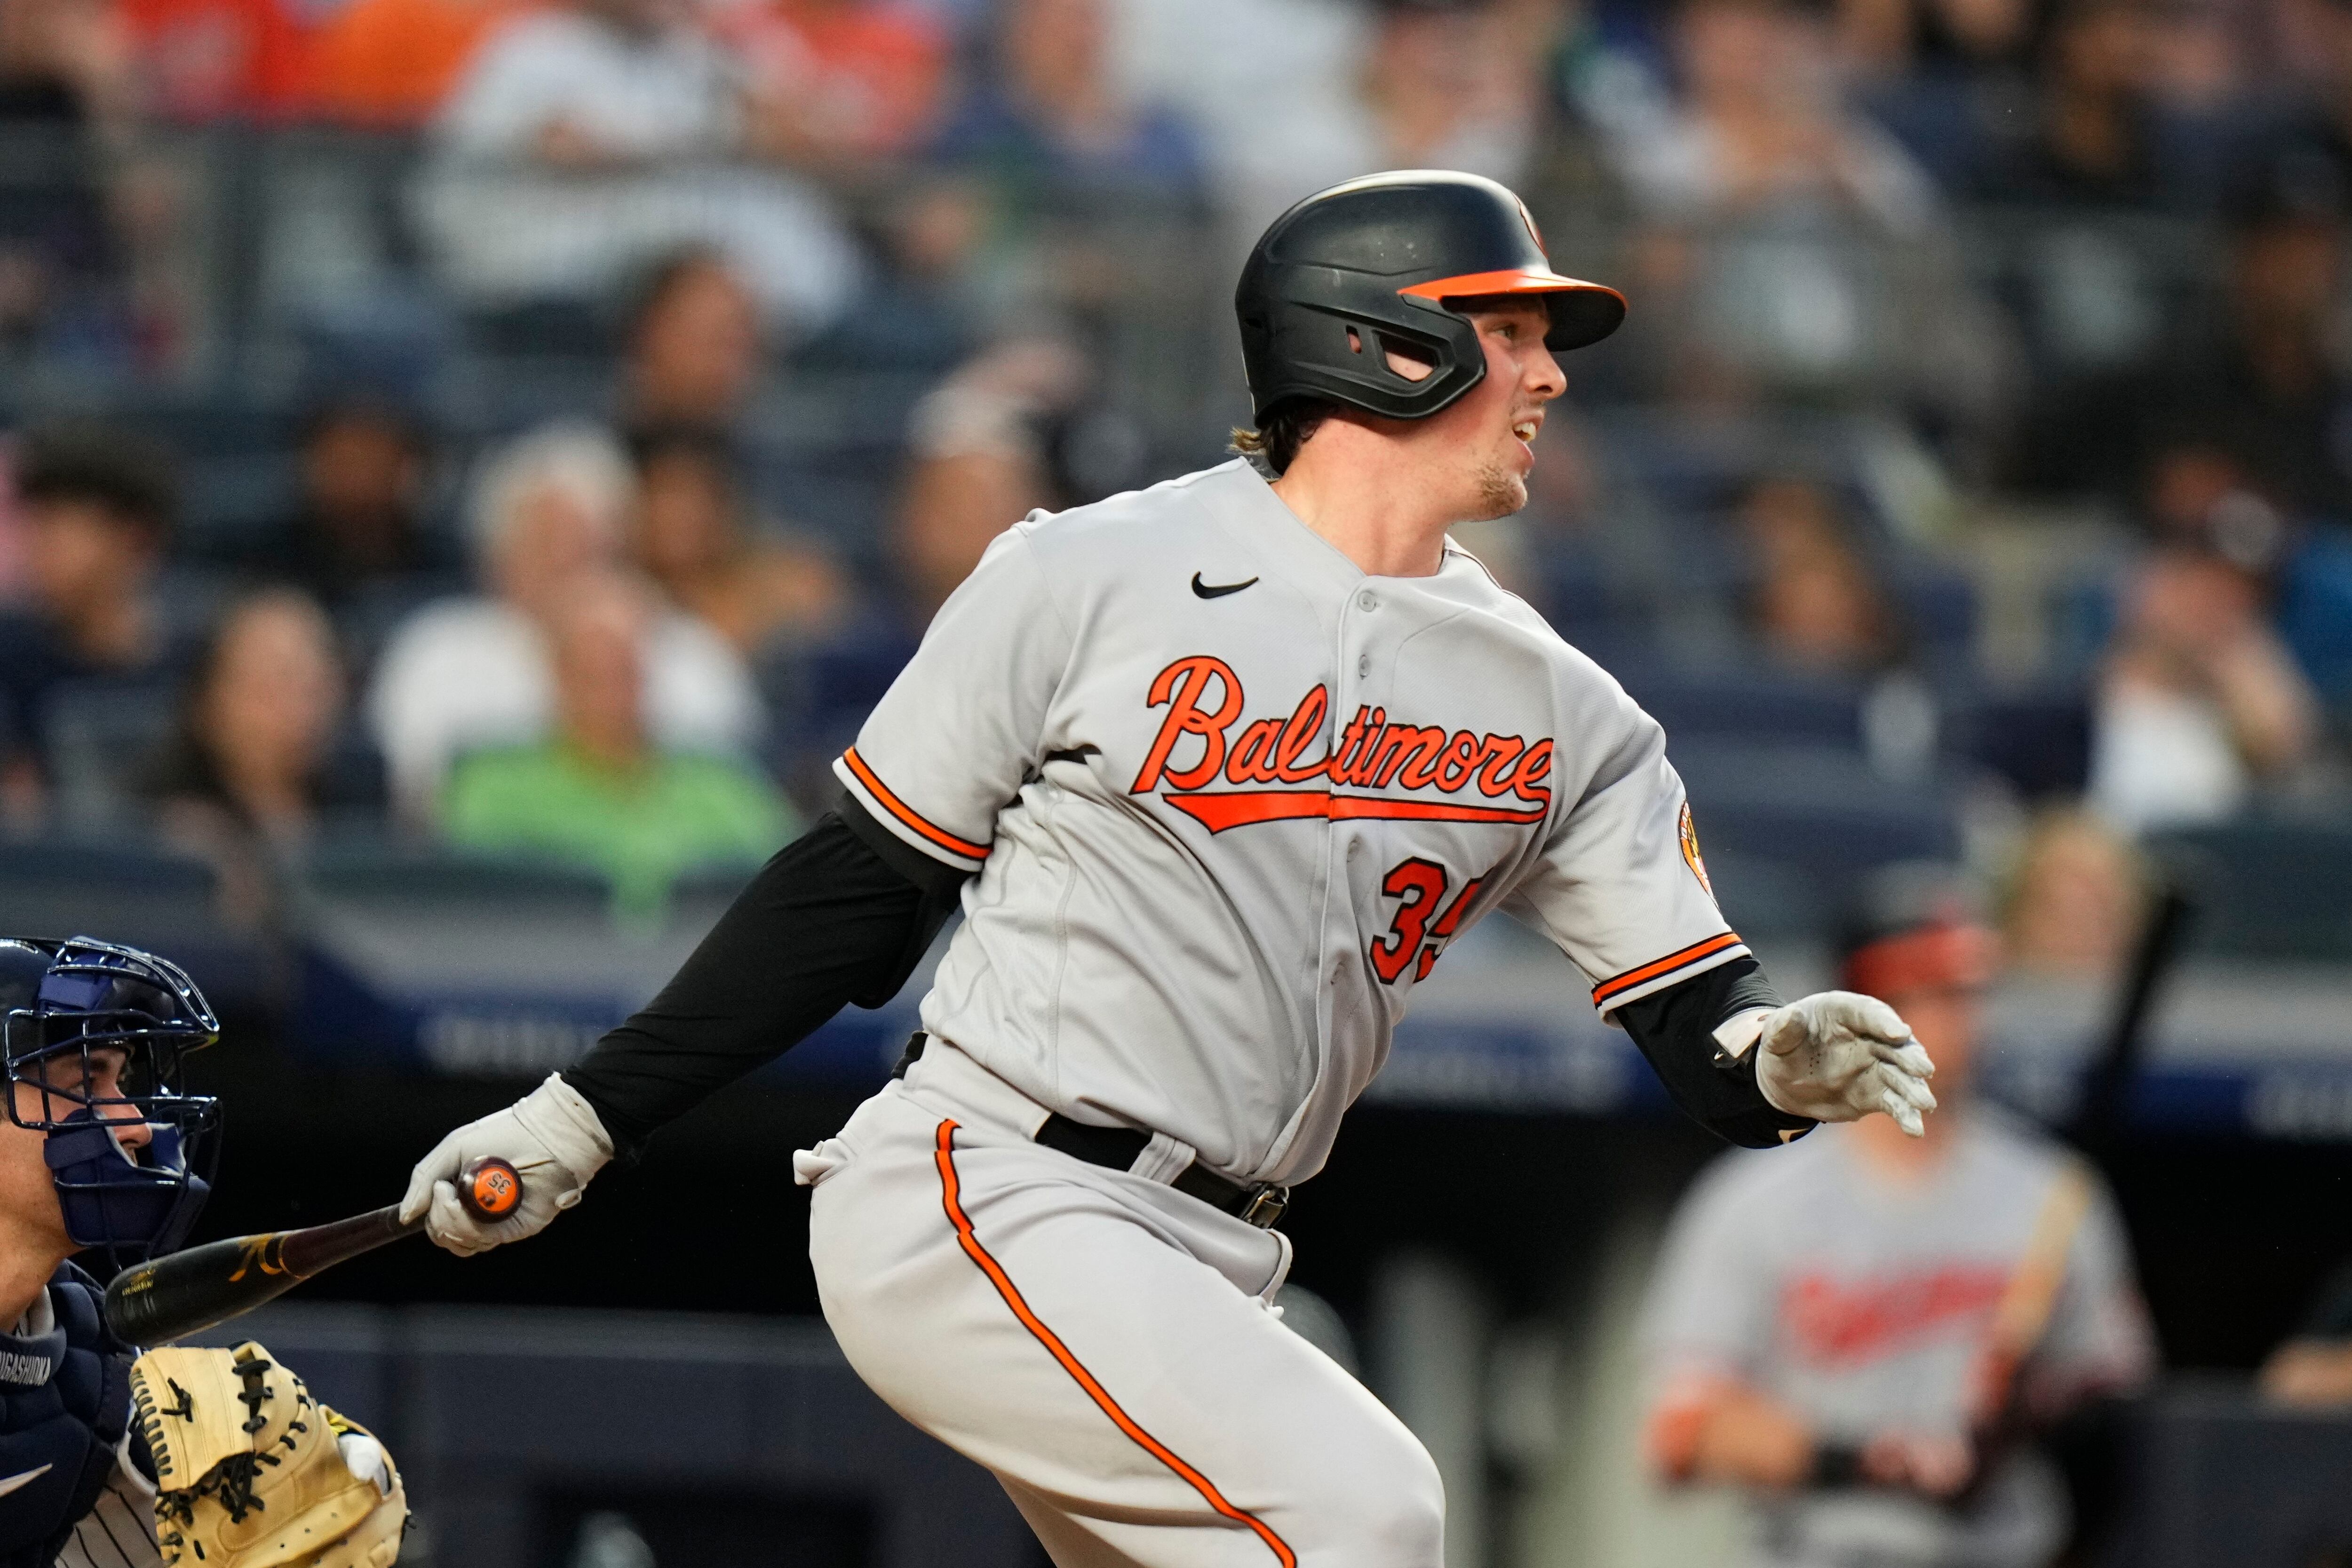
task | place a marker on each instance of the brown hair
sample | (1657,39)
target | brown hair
(1273,445)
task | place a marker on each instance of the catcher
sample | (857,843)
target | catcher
(109,1459)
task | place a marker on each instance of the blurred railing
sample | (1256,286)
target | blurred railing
(269,238)
(391,958)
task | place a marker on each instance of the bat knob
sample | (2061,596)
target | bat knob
(489,1187)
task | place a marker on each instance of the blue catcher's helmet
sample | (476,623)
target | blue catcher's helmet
(91,1035)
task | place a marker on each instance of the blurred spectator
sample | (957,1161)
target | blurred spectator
(1814,604)
(1450,86)
(1760,124)
(598,791)
(600,84)
(1273,87)
(586,137)
(2200,701)
(2202,500)
(218,59)
(837,81)
(391,64)
(2077,899)
(2309,97)
(96,508)
(2200,52)
(979,459)
(694,346)
(2313,1368)
(359,525)
(2261,379)
(66,98)
(2092,140)
(1791,250)
(1051,109)
(473,671)
(1828,1320)
(66,63)
(980,464)
(253,766)
(692,535)
(1821,609)
(2274,393)
(1934,37)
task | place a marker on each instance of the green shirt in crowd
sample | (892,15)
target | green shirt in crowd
(641,827)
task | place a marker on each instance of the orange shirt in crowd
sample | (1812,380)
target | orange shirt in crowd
(857,75)
(390,63)
(212,59)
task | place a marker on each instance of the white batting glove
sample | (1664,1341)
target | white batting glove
(555,1144)
(1837,1056)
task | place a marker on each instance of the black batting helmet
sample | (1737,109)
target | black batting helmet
(1382,254)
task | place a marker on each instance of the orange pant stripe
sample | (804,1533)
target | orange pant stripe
(951,1192)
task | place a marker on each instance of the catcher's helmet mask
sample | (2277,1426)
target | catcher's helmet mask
(80,997)
(1383,254)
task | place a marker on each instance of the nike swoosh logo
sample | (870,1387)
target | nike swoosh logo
(28,1478)
(1217,591)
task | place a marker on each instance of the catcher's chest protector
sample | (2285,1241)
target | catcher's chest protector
(65,1404)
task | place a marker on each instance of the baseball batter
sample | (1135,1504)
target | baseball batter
(1215,772)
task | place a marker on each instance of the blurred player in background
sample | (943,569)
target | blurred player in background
(1862,1331)
(95,1162)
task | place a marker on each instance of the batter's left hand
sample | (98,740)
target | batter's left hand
(1837,1056)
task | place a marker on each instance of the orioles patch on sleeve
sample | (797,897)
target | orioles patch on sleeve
(1689,836)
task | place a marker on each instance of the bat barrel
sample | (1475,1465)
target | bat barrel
(168,1299)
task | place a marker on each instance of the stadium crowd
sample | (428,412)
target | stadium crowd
(618,385)
(541,428)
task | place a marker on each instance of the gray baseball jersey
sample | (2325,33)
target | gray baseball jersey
(1229,799)
(1865,1306)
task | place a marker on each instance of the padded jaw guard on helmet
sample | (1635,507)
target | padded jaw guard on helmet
(62,1003)
(1382,254)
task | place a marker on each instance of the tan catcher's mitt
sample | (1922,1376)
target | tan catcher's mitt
(252,1472)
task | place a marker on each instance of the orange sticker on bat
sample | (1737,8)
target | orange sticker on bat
(495,1190)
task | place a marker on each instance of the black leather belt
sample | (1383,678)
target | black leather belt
(1260,1203)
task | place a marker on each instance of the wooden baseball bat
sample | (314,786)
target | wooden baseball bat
(166,1299)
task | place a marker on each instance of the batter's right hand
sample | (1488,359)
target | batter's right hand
(555,1144)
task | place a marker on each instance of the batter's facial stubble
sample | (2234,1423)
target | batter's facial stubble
(1500,493)
(1521,377)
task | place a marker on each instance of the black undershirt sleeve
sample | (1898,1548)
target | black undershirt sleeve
(841,914)
(1676,1029)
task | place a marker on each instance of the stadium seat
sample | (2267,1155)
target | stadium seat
(1764,707)
(1817,811)
(100,734)
(381,871)
(123,888)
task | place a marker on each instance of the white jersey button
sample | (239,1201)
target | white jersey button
(1363,665)
(1367,600)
